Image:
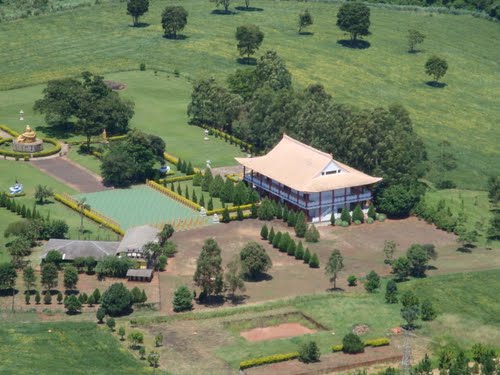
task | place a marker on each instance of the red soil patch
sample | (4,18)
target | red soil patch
(113,85)
(276,332)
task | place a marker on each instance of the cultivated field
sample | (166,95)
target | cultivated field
(100,39)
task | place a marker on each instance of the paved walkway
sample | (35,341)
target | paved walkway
(70,173)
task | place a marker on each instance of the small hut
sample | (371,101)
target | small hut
(145,275)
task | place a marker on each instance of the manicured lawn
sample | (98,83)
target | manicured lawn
(206,196)
(30,176)
(88,161)
(99,39)
(160,109)
(62,348)
(139,205)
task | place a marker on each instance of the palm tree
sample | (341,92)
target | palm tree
(82,206)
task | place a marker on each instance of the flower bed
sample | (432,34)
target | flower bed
(22,155)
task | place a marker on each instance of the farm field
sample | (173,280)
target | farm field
(62,347)
(30,176)
(464,112)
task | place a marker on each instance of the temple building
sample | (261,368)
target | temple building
(309,180)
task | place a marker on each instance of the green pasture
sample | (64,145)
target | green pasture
(467,304)
(100,39)
(475,204)
(138,205)
(30,176)
(160,109)
(64,348)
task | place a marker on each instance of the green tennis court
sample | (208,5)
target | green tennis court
(138,205)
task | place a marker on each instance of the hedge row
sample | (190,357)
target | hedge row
(110,139)
(176,179)
(173,194)
(26,156)
(9,130)
(268,360)
(89,214)
(228,137)
(233,177)
(383,341)
(243,207)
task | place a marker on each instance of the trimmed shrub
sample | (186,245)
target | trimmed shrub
(391,292)
(358,215)
(292,219)
(307,256)
(277,240)
(312,234)
(267,360)
(345,215)
(336,348)
(371,212)
(264,232)
(299,251)
(372,282)
(377,342)
(427,311)
(300,225)
(357,222)
(265,210)
(352,280)
(183,299)
(381,217)
(290,250)
(270,237)
(369,220)
(314,261)
(284,240)
(352,344)
(309,352)
(345,224)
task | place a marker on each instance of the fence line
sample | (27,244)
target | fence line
(93,211)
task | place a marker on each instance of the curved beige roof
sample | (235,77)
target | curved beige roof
(299,167)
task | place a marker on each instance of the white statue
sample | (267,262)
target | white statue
(203,212)
(216,218)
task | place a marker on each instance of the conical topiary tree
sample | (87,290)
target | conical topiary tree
(210,205)
(186,192)
(264,232)
(300,225)
(314,261)
(202,200)
(194,198)
(277,239)
(225,215)
(283,244)
(207,180)
(270,237)
(190,169)
(345,215)
(299,251)
(179,189)
(357,214)
(307,256)
(292,218)
(371,212)
(285,214)
(291,248)
(227,192)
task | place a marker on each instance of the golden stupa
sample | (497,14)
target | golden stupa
(29,136)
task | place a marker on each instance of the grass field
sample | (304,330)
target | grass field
(475,205)
(62,348)
(30,176)
(459,323)
(138,205)
(160,108)
(464,112)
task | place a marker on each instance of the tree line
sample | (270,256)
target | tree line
(259,105)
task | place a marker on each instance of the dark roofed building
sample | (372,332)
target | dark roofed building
(140,274)
(71,249)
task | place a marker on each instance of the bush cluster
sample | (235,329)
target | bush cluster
(439,215)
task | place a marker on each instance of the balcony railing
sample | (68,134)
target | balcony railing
(300,201)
